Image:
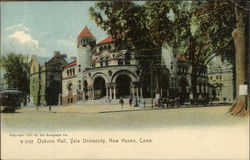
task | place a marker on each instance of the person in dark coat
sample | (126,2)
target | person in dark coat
(130,101)
(121,102)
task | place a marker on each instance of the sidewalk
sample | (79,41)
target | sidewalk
(87,109)
(99,108)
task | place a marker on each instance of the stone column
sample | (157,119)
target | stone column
(83,94)
(110,93)
(93,93)
(107,91)
(114,92)
(141,93)
(133,91)
(59,99)
(90,93)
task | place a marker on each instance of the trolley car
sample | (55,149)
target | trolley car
(10,100)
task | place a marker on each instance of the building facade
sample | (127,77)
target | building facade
(103,71)
(180,76)
(221,78)
(46,79)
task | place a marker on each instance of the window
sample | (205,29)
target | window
(220,77)
(70,87)
(120,61)
(73,71)
(211,78)
(103,63)
(216,77)
(80,87)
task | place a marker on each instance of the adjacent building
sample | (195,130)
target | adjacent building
(180,76)
(46,79)
(221,78)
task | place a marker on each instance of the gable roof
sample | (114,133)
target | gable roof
(86,33)
(70,64)
(106,40)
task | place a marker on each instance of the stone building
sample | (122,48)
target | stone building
(100,71)
(221,78)
(103,71)
(180,76)
(45,79)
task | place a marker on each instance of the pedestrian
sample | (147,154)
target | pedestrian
(130,101)
(121,102)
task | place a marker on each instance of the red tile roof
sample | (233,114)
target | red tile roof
(181,57)
(106,40)
(86,33)
(70,64)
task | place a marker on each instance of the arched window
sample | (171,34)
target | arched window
(70,87)
(105,47)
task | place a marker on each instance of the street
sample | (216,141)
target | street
(126,133)
(103,117)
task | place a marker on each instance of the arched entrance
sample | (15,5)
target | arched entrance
(85,89)
(99,88)
(184,94)
(123,83)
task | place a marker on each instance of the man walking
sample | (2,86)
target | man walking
(130,101)
(121,102)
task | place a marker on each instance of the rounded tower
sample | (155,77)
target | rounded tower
(85,41)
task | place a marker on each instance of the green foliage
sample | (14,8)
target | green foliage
(199,30)
(17,71)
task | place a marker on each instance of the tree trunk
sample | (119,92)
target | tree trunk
(239,35)
(194,82)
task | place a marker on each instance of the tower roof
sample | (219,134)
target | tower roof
(106,40)
(86,33)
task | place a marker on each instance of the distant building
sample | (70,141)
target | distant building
(180,76)
(46,79)
(221,78)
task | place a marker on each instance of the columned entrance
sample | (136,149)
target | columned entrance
(99,88)
(123,86)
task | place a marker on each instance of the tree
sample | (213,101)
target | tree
(241,41)
(17,72)
(183,33)
(230,29)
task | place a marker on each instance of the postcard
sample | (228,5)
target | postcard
(124,80)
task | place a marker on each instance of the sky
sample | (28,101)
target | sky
(40,28)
